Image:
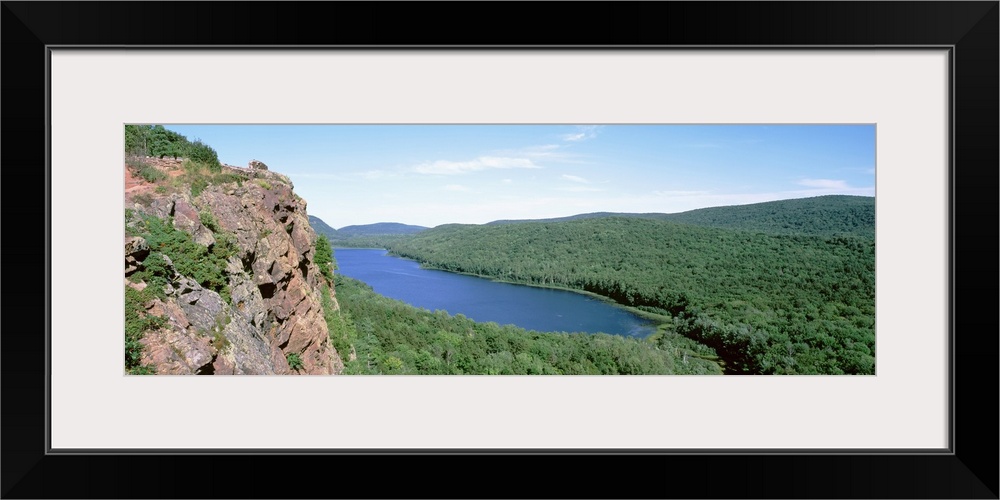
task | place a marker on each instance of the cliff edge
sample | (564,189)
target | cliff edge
(221,274)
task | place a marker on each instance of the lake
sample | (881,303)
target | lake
(483,300)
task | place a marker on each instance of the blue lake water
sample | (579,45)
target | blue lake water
(483,300)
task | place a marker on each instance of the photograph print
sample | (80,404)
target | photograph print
(476,249)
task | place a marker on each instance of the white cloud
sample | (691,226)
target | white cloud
(579,189)
(507,181)
(575,178)
(824,183)
(585,132)
(455,187)
(445,167)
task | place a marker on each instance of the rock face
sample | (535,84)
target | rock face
(136,250)
(187,219)
(275,307)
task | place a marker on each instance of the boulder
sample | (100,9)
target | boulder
(203,308)
(187,219)
(161,207)
(136,250)
(175,349)
(256,165)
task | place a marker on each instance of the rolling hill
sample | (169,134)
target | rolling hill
(367,235)
(322,227)
(821,215)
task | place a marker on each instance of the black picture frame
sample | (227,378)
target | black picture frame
(968,470)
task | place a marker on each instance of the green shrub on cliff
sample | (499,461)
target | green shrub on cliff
(203,153)
(137,323)
(226,178)
(197,262)
(199,175)
(343,332)
(198,185)
(294,361)
(208,220)
(148,172)
(324,257)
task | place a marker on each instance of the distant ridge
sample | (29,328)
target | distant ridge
(590,215)
(322,227)
(820,215)
(379,229)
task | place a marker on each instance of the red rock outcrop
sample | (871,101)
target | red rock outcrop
(275,310)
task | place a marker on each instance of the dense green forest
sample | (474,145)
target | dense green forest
(392,337)
(367,241)
(154,140)
(832,215)
(767,303)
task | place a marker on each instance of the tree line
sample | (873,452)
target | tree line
(157,141)
(829,215)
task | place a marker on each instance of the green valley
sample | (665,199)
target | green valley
(767,303)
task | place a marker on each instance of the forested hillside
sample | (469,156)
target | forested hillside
(392,337)
(322,227)
(766,303)
(833,215)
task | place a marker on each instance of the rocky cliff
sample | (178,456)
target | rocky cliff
(233,253)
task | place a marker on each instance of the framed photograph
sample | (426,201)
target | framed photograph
(921,77)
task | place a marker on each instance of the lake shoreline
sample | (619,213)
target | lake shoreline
(658,318)
(597,309)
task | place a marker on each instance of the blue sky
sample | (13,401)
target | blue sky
(436,174)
